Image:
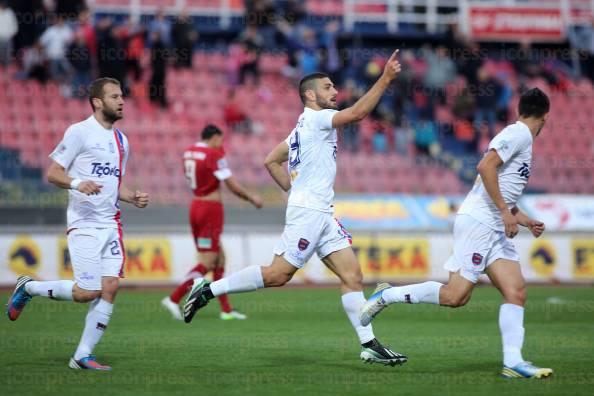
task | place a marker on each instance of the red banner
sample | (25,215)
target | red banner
(516,24)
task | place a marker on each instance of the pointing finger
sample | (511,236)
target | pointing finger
(393,57)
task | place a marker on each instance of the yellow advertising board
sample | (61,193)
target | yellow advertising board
(148,259)
(393,257)
(543,257)
(582,252)
(24,256)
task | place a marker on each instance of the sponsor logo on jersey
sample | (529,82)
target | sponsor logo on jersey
(477,258)
(101,170)
(302,244)
(98,147)
(524,170)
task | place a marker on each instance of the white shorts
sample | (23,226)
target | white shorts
(476,246)
(94,253)
(308,231)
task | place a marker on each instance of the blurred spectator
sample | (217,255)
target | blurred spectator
(582,38)
(261,15)
(8,29)
(330,57)
(420,106)
(294,11)
(426,138)
(79,56)
(488,92)
(235,116)
(34,64)
(31,28)
(441,70)
(379,141)
(308,51)
(350,132)
(402,138)
(159,60)
(507,92)
(185,35)
(55,41)
(86,28)
(464,104)
(69,8)
(249,62)
(161,25)
(135,35)
(111,51)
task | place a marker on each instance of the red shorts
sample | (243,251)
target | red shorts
(206,219)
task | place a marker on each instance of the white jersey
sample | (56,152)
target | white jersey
(514,147)
(312,160)
(91,152)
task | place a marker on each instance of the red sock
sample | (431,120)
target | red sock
(223,298)
(185,287)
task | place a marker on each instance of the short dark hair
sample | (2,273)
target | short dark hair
(308,82)
(96,88)
(534,103)
(209,131)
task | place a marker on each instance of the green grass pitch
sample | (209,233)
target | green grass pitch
(298,341)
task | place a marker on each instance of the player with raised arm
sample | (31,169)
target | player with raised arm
(486,221)
(90,162)
(205,167)
(310,226)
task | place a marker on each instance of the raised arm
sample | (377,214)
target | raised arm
(487,168)
(274,164)
(367,102)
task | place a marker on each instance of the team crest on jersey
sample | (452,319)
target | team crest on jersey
(111,148)
(303,244)
(477,258)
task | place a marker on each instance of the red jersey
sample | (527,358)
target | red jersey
(205,168)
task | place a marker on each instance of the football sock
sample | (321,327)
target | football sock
(95,324)
(511,324)
(57,290)
(426,292)
(223,298)
(352,303)
(183,288)
(245,280)
(181,291)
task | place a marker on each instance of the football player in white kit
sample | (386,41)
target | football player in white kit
(90,162)
(310,227)
(486,221)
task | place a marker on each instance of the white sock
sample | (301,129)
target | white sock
(95,324)
(426,292)
(57,290)
(248,279)
(511,324)
(352,303)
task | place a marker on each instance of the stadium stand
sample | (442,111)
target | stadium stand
(35,116)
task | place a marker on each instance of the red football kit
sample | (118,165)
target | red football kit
(205,168)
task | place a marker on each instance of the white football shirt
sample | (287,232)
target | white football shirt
(514,146)
(312,160)
(90,152)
